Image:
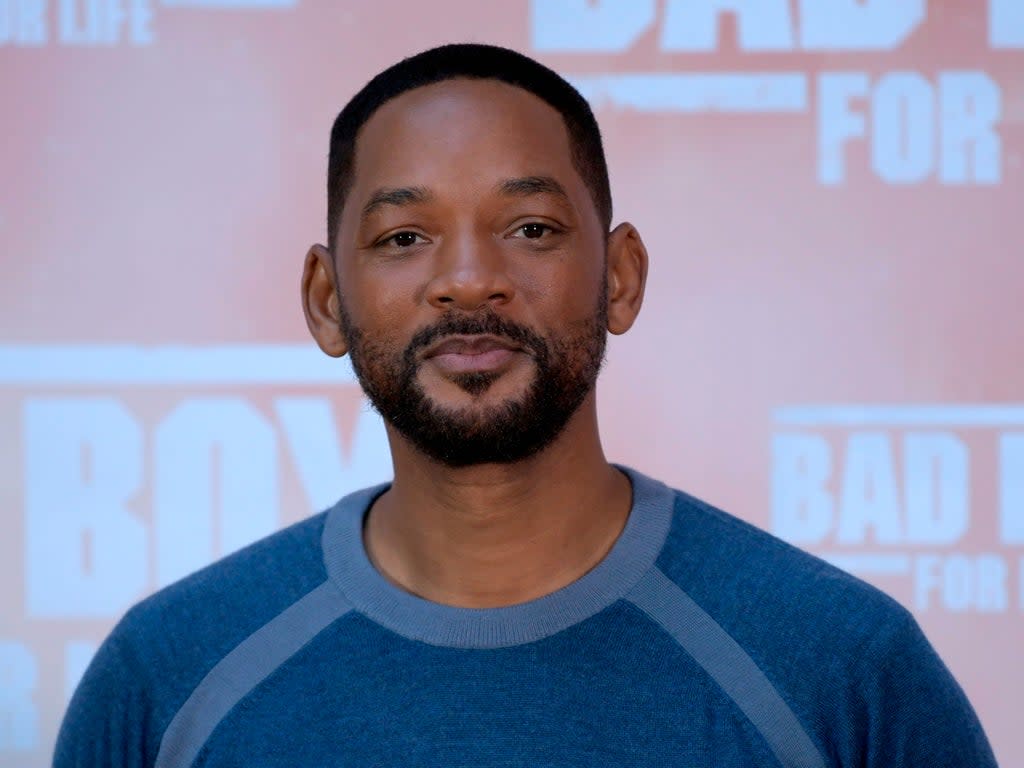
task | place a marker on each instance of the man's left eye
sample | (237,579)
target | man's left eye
(533,230)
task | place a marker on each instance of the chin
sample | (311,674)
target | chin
(483,388)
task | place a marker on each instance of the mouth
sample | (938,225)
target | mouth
(477,353)
(471,345)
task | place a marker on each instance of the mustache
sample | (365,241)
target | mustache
(487,322)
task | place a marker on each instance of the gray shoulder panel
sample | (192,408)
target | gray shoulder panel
(729,666)
(245,667)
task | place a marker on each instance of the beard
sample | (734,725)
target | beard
(566,369)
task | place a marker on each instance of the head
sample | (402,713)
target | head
(470,271)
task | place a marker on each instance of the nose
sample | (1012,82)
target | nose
(471,271)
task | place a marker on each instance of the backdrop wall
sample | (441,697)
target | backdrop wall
(831,344)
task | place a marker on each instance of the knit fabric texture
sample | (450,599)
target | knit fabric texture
(699,640)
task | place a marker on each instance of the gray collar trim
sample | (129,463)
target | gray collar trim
(632,555)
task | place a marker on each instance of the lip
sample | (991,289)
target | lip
(465,354)
(471,346)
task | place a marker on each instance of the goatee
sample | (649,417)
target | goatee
(566,370)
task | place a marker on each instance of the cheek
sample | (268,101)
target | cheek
(379,303)
(566,288)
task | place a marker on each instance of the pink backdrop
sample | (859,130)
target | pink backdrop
(831,345)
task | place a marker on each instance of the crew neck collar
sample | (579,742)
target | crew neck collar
(415,618)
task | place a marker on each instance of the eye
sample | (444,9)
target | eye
(534,230)
(403,239)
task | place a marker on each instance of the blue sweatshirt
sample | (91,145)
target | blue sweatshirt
(698,640)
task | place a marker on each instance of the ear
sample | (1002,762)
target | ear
(320,301)
(627,277)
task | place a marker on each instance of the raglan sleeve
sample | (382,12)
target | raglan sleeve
(915,713)
(107,720)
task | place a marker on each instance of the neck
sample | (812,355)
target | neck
(499,534)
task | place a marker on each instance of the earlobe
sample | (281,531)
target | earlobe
(320,301)
(627,277)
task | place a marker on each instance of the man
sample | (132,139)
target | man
(511,598)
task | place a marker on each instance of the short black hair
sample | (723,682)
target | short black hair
(475,61)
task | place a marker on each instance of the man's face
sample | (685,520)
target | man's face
(471,272)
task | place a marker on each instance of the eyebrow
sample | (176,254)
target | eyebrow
(523,186)
(395,196)
(526,186)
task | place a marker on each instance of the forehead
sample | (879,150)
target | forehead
(462,132)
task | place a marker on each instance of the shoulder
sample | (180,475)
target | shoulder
(763,589)
(259,579)
(808,626)
(162,648)
(850,661)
